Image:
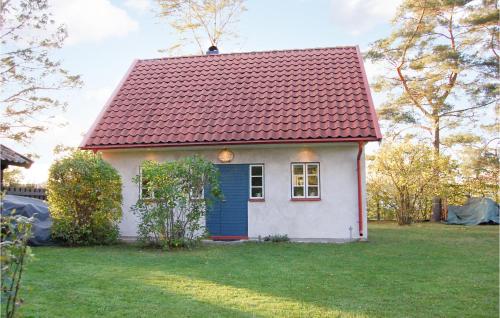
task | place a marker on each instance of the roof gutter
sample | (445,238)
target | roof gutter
(360,189)
(230,143)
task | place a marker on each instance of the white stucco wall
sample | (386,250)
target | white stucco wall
(332,217)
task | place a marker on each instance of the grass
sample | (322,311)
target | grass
(423,270)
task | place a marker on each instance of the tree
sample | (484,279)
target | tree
(480,162)
(85,198)
(172,203)
(28,73)
(12,176)
(379,197)
(201,22)
(406,173)
(480,172)
(442,61)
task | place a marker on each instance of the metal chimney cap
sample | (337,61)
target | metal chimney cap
(212,50)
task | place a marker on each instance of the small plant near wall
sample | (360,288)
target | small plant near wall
(277,238)
(14,254)
(85,198)
(172,201)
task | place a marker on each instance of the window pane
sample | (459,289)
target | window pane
(298,169)
(257,193)
(312,169)
(298,180)
(256,181)
(197,194)
(298,191)
(256,170)
(145,192)
(312,180)
(312,191)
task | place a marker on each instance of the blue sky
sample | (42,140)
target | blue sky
(106,36)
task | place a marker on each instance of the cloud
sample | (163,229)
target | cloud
(358,16)
(138,5)
(92,20)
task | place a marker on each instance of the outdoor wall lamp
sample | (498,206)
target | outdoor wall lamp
(225,155)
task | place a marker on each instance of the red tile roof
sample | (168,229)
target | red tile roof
(310,95)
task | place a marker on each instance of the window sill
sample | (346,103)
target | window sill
(256,200)
(305,199)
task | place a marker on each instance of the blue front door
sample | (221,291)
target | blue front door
(229,216)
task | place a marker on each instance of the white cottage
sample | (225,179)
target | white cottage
(286,129)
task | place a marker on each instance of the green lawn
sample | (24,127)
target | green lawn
(416,271)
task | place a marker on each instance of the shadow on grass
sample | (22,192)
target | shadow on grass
(240,299)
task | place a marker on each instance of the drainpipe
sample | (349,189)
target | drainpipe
(360,194)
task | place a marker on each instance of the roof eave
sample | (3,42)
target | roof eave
(26,165)
(20,160)
(229,143)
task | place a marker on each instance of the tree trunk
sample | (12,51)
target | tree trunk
(436,201)
(436,209)
(378,210)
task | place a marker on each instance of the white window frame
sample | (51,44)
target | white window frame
(250,181)
(152,194)
(305,175)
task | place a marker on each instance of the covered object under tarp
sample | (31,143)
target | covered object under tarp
(28,207)
(475,211)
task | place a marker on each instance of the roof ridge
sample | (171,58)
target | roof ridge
(251,52)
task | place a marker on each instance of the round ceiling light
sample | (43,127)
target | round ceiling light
(226,155)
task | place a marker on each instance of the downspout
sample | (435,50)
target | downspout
(360,193)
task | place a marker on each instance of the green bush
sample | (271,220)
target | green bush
(171,206)
(84,195)
(14,252)
(277,238)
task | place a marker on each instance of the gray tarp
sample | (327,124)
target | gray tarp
(475,211)
(28,207)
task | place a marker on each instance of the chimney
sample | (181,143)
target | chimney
(212,50)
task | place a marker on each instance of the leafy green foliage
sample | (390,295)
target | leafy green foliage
(479,173)
(28,73)
(14,253)
(404,179)
(201,22)
(171,205)
(85,197)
